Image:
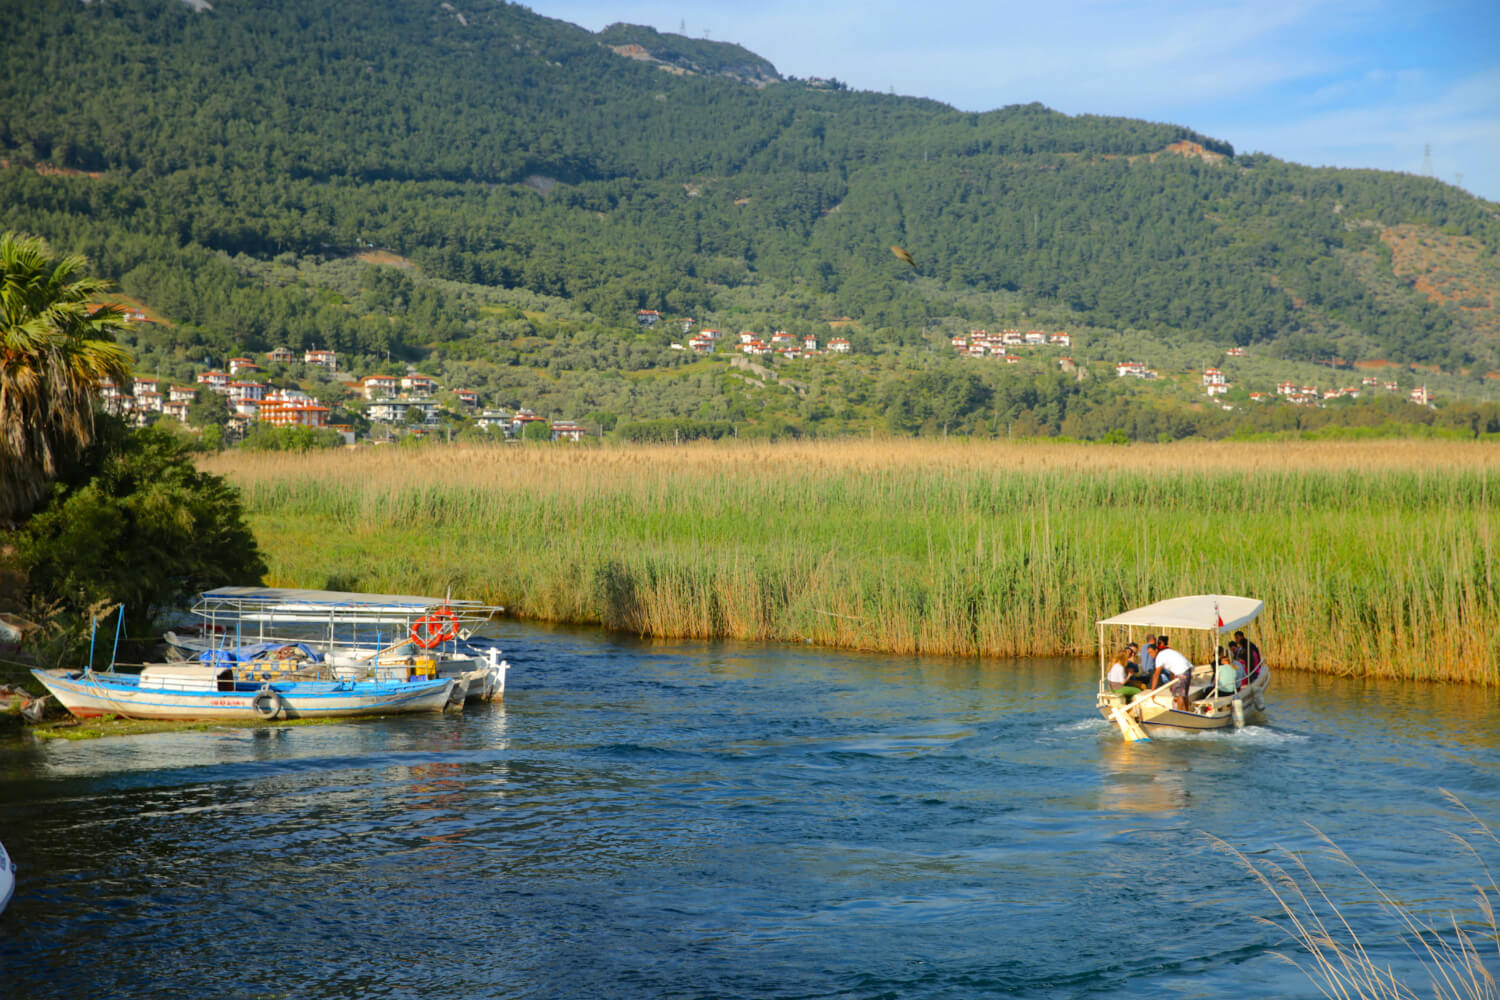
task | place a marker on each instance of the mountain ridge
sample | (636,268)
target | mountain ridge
(430,130)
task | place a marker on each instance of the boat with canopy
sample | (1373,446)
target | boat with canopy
(231,685)
(1215,698)
(358,636)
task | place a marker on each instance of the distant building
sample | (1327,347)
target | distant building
(838,345)
(215,380)
(491,419)
(567,430)
(523,419)
(647,317)
(246,390)
(281,412)
(378,386)
(419,385)
(323,359)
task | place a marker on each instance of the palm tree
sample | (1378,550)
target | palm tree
(56,349)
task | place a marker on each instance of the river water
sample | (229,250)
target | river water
(689,819)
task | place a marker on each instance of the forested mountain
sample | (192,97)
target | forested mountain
(183,147)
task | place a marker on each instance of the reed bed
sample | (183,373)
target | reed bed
(1374,558)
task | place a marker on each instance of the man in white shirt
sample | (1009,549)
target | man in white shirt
(1175,665)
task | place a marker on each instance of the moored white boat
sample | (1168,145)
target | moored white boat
(7,878)
(1196,624)
(211,691)
(358,636)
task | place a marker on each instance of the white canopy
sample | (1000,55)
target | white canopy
(287,604)
(1204,612)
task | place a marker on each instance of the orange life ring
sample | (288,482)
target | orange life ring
(435,628)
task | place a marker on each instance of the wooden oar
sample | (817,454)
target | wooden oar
(1129,727)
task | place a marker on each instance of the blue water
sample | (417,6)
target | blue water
(724,820)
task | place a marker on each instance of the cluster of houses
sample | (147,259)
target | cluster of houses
(389,399)
(1216,383)
(983,344)
(1309,395)
(781,344)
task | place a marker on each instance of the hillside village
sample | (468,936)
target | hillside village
(409,401)
(412,403)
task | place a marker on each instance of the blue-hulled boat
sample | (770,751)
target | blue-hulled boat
(220,691)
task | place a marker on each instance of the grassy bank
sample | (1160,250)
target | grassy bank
(1374,558)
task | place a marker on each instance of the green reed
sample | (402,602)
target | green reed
(1380,568)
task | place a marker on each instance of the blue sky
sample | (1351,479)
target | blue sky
(1321,82)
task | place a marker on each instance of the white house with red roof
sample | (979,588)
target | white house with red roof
(838,345)
(418,385)
(321,358)
(378,386)
(246,390)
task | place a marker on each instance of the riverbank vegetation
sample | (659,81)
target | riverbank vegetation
(1375,558)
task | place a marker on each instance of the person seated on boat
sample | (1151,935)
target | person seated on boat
(1250,653)
(1146,665)
(1227,673)
(1178,668)
(1122,676)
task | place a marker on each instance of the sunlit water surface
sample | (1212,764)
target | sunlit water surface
(723,820)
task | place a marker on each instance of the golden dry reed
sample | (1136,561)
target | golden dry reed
(1374,558)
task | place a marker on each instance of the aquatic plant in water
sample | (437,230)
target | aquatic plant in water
(1340,958)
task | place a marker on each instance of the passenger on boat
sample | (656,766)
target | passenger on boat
(1122,675)
(1175,665)
(1227,673)
(1146,665)
(1249,653)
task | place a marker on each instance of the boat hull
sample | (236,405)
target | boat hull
(99,694)
(1155,712)
(7,878)
(481,674)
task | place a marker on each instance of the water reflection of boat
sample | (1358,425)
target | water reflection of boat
(1212,702)
(358,636)
(216,691)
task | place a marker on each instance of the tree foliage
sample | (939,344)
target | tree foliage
(237,148)
(56,349)
(136,522)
